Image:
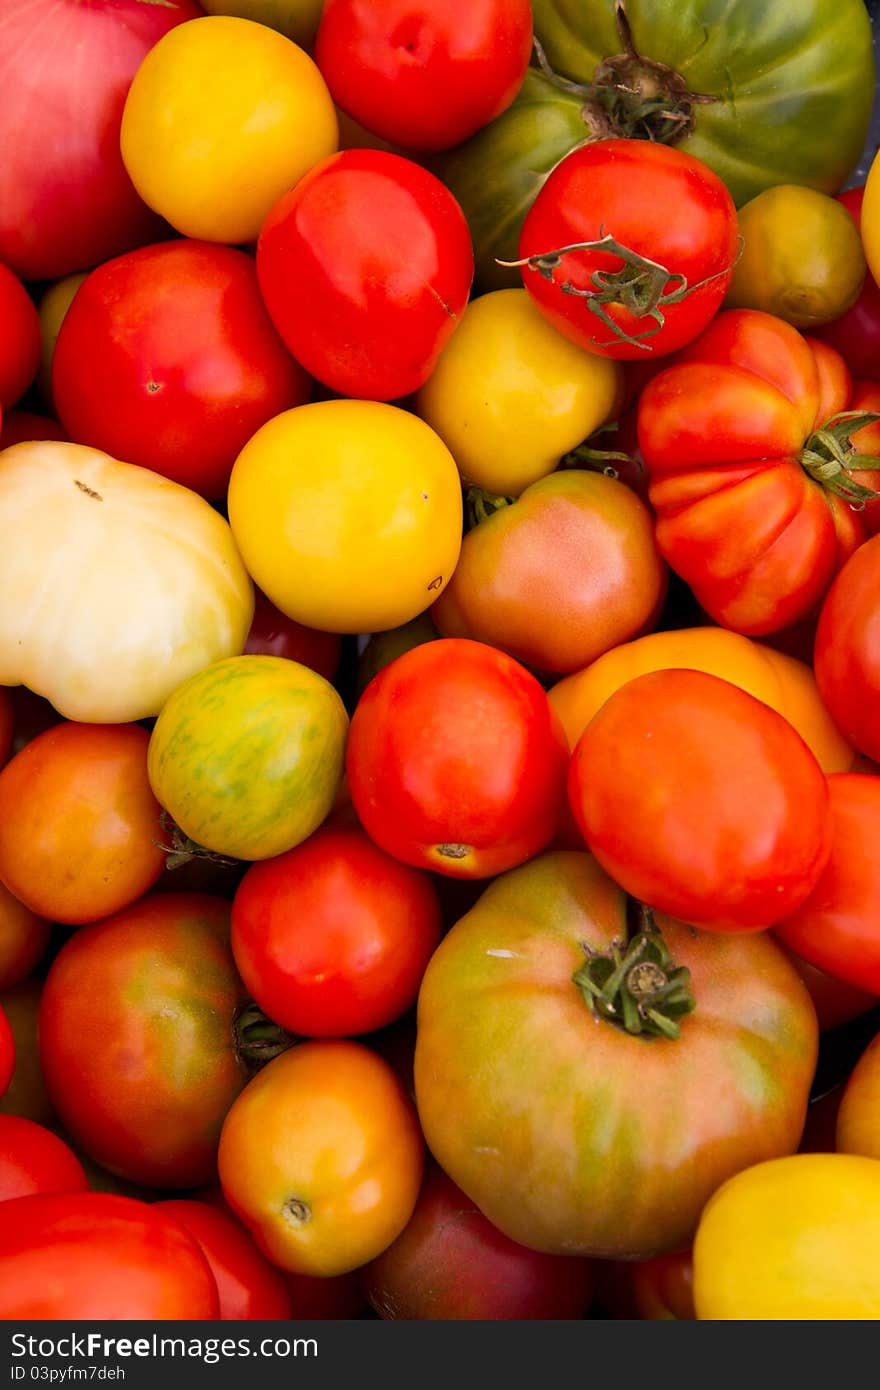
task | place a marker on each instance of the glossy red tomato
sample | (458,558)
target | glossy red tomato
(98,1256)
(332,938)
(456,761)
(191,365)
(837,927)
(701,801)
(365,267)
(272,633)
(847,653)
(33,1159)
(20,343)
(422,73)
(7,1052)
(249,1287)
(622,193)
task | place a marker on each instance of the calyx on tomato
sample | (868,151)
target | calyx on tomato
(829,457)
(637,986)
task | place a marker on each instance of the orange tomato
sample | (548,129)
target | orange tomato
(79,826)
(23,939)
(778,680)
(321,1156)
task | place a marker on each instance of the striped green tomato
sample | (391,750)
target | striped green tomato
(246,756)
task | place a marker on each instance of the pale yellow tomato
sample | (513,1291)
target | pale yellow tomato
(53,306)
(510,395)
(793,1239)
(296,19)
(802,257)
(223,116)
(347,514)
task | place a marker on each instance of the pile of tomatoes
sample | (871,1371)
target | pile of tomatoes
(439,660)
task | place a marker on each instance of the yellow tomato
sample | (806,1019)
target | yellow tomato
(510,395)
(296,19)
(870,219)
(780,681)
(802,257)
(223,116)
(793,1239)
(347,514)
(321,1156)
(54,304)
(858,1119)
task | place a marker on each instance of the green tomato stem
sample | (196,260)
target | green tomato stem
(636,985)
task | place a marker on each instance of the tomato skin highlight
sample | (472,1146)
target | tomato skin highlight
(701,801)
(455,761)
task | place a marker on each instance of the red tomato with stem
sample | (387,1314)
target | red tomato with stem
(701,801)
(366,267)
(20,342)
(608,261)
(847,652)
(33,1160)
(333,937)
(422,73)
(248,1286)
(95,1256)
(7,1052)
(191,365)
(272,633)
(456,761)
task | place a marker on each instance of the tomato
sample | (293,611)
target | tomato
(564,574)
(321,1157)
(90,1256)
(79,826)
(835,1001)
(753,508)
(7,1053)
(858,1126)
(141,1037)
(272,633)
(366,266)
(836,927)
(510,396)
(246,756)
(869,219)
(348,514)
(19,339)
(866,441)
(571,1134)
(27,1095)
(52,308)
(663,1288)
(190,363)
(420,74)
(127,584)
(332,938)
(701,801)
(220,121)
(455,760)
(792,1239)
(7,724)
(780,681)
(384,647)
(248,1286)
(297,19)
(23,939)
(22,426)
(835,385)
(451,1263)
(802,257)
(856,334)
(33,1160)
(847,656)
(600,214)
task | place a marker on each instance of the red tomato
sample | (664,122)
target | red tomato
(834,1000)
(365,267)
(835,381)
(333,937)
(94,1256)
(7,1052)
(456,761)
(272,633)
(624,191)
(847,654)
(334,1297)
(856,334)
(20,426)
(746,515)
(79,825)
(701,801)
(191,365)
(33,1159)
(866,397)
(23,939)
(450,1262)
(663,1288)
(248,1286)
(20,343)
(837,927)
(422,73)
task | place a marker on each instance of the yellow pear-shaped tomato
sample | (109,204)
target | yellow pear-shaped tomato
(793,1239)
(347,514)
